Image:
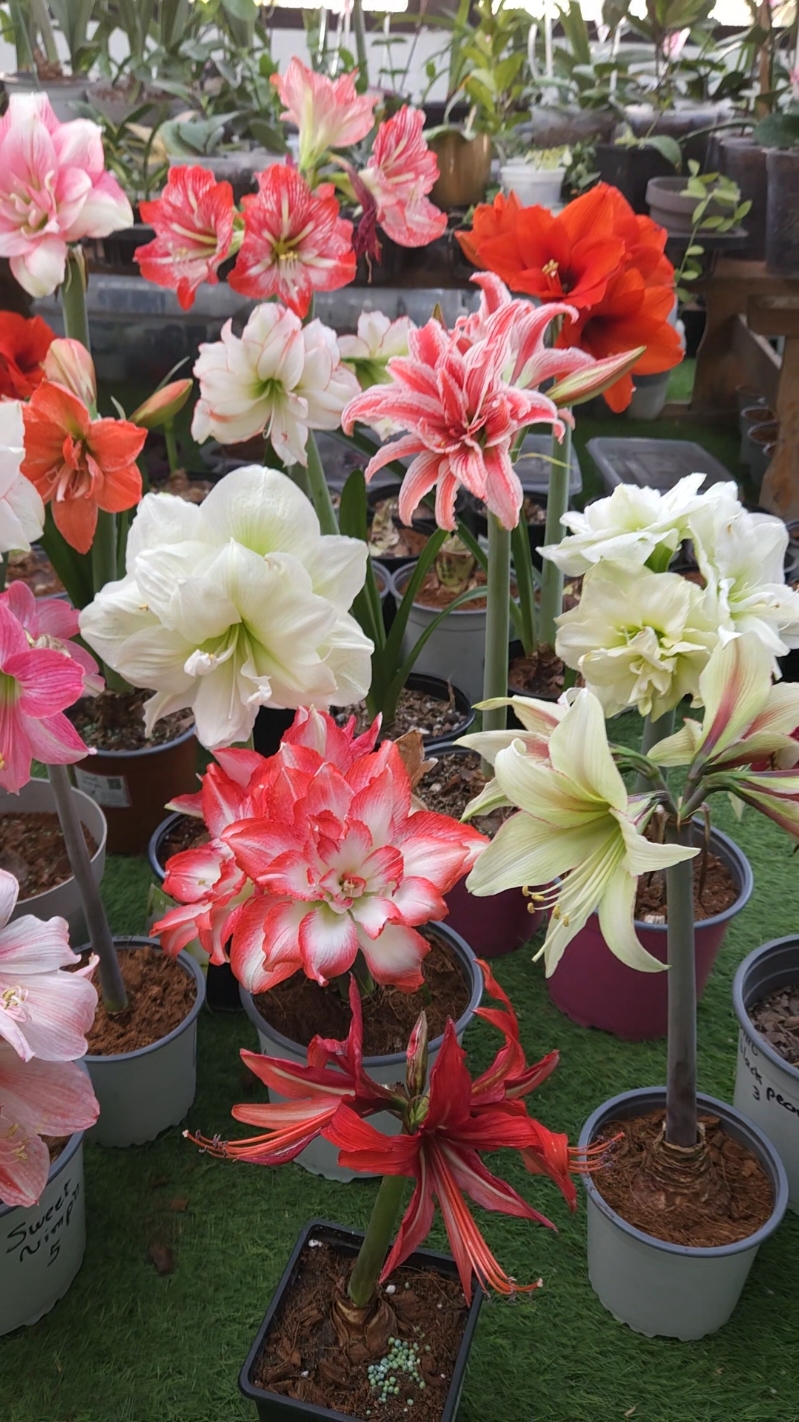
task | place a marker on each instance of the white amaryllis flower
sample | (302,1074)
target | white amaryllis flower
(278,378)
(633,524)
(21,507)
(237,603)
(378,339)
(638,638)
(742,558)
(577,828)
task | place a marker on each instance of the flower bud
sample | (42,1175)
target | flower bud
(69,364)
(416,1058)
(162,406)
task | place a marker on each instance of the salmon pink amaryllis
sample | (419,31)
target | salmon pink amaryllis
(295,241)
(37,1099)
(329,113)
(194,224)
(54,191)
(37,685)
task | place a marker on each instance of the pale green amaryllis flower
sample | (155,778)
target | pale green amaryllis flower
(741,556)
(235,604)
(639,639)
(539,719)
(576,825)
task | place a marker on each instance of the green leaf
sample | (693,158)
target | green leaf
(668,148)
(778,131)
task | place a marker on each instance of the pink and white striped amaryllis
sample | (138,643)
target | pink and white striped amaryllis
(329,113)
(37,684)
(194,225)
(348,867)
(52,623)
(37,1098)
(401,171)
(460,417)
(54,190)
(44,1011)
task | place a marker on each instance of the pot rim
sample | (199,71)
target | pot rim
(67,1154)
(739,1000)
(422,1256)
(136,754)
(390,1058)
(648,1095)
(399,577)
(747,884)
(189,965)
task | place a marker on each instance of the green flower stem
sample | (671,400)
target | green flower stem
(320,493)
(73,299)
(653,732)
(361,50)
(495,678)
(379,1233)
(171,447)
(681,1112)
(298,475)
(557,504)
(111,984)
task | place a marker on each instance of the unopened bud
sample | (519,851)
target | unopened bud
(416,1058)
(68,363)
(162,407)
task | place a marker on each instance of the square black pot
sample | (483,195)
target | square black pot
(272,1406)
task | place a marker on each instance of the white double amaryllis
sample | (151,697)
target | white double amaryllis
(21,507)
(576,825)
(638,638)
(232,605)
(741,557)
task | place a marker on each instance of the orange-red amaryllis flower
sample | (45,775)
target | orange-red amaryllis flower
(570,257)
(644,240)
(24,343)
(630,314)
(78,464)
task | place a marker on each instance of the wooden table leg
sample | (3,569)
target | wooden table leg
(780,492)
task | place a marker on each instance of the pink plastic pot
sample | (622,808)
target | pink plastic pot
(494,926)
(595,989)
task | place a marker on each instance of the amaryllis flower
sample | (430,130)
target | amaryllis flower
(36,687)
(54,190)
(78,464)
(37,1098)
(279,378)
(378,339)
(52,622)
(44,1012)
(400,173)
(24,343)
(741,557)
(460,418)
(295,242)
(329,113)
(193,220)
(21,507)
(69,363)
(631,313)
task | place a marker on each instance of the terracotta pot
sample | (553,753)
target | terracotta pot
(134,786)
(595,989)
(464,166)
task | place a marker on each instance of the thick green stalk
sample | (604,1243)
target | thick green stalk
(171,447)
(557,504)
(298,475)
(73,299)
(111,984)
(653,732)
(379,1233)
(361,51)
(320,493)
(495,677)
(681,1112)
(104,550)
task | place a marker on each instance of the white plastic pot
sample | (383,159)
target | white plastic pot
(766,1086)
(62,901)
(143,1093)
(42,1247)
(672,1290)
(541,186)
(456,650)
(321,1156)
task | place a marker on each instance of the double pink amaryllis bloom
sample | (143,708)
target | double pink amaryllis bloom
(54,190)
(446,1125)
(37,1098)
(36,687)
(194,222)
(329,113)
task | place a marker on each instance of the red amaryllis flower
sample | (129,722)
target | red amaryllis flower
(630,314)
(23,347)
(193,219)
(295,242)
(78,464)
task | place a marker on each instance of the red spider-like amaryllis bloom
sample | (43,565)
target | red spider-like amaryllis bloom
(295,242)
(78,464)
(193,220)
(24,343)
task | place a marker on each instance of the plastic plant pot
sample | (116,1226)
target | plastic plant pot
(440,690)
(456,650)
(274,1406)
(629,168)
(63,900)
(144,1092)
(133,786)
(42,1247)
(766,1085)
(595,989)
(321,1157)
(540,186)
(782,212)
(672,1290)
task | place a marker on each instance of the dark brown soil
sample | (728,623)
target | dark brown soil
(301,1009)
(416,711)
(160,995)
(36,570)
(540,675)
(455,780)
(32,848)
(193,488)
(777,1019)
(186,833)
(714,891)
(114,721)
(389,538)
(749,1201)
(55,1145)
(304,1356)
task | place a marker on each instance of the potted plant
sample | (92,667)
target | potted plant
(444,1126)
(39,67)
(766,1078)
(630,162)
(707,202)
(537,177)
(285,946)
(651,1263)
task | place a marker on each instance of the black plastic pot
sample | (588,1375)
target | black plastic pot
(630,169)
(744,162)
(475,519)
(273,1406)
(782,211)
(435,686)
